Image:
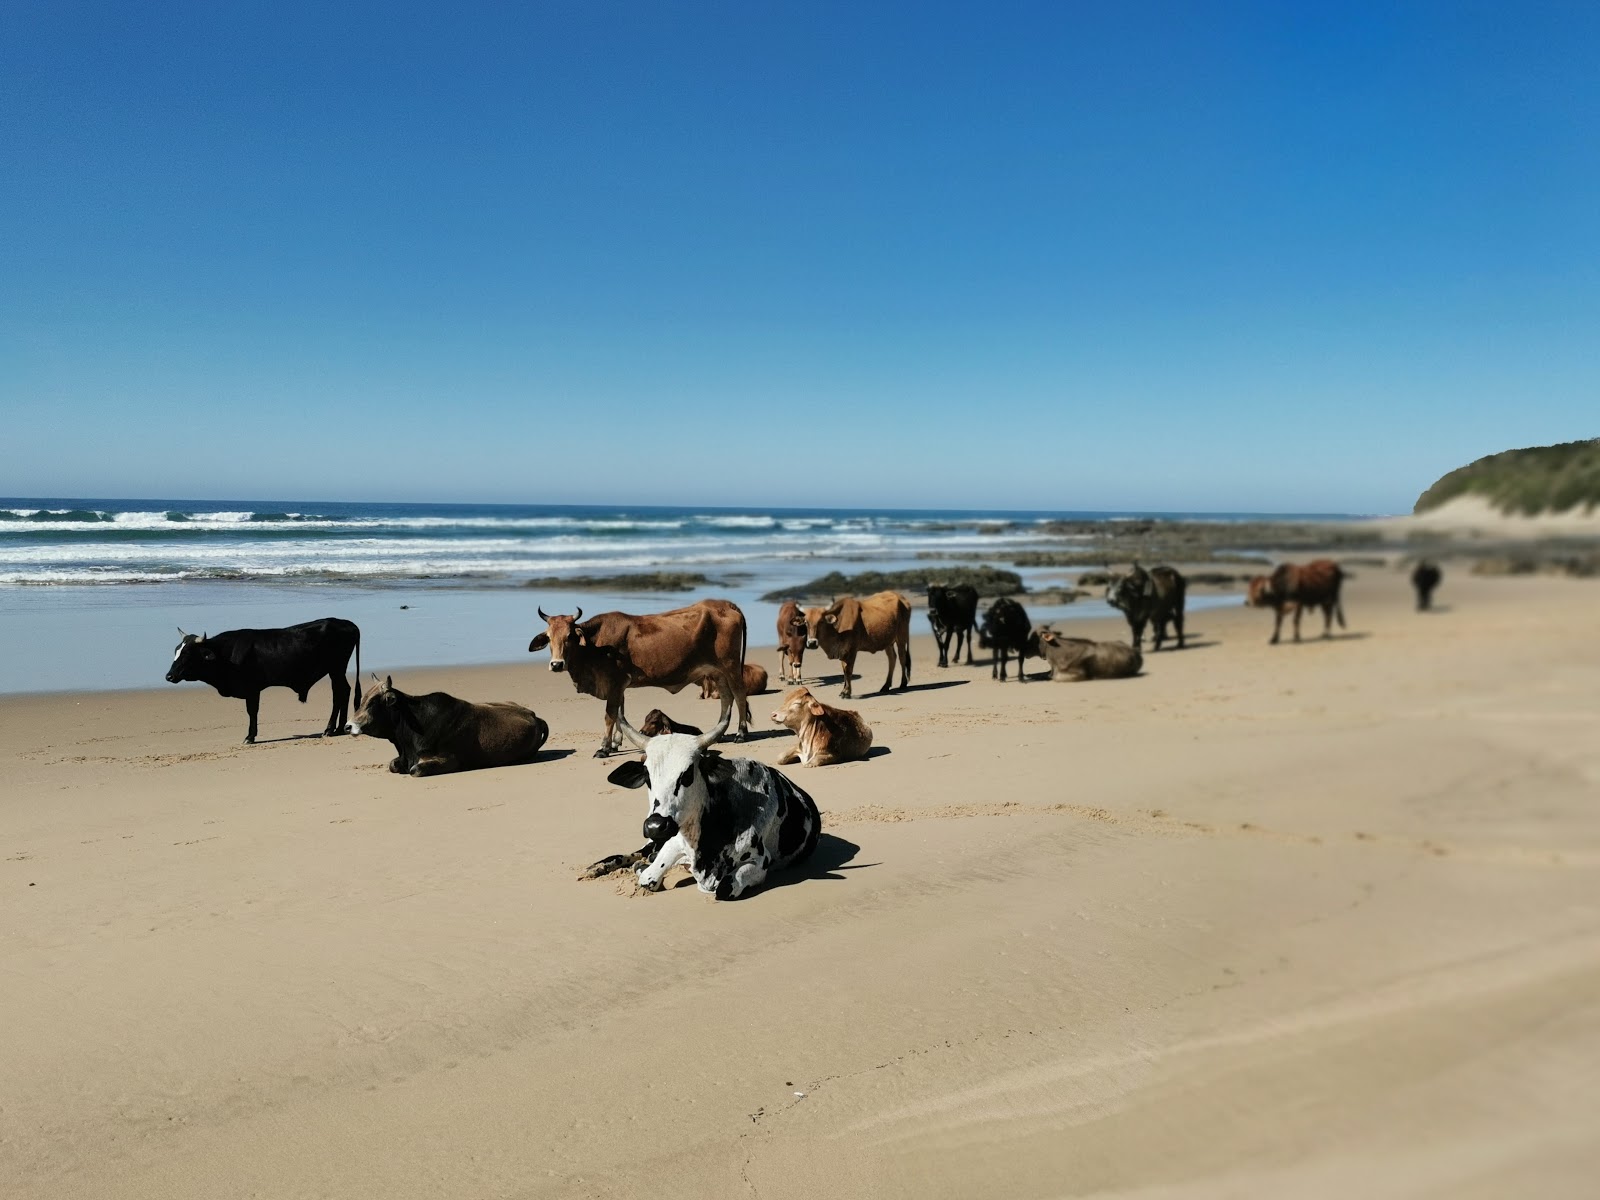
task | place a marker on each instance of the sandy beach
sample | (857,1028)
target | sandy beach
(1318,920)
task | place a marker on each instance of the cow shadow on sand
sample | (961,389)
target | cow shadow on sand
(833,855)
(547,755)
(297,737)
(1357,635)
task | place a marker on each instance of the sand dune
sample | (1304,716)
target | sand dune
(1313,920)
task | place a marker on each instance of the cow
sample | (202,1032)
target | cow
(1425,578)
(614,651)
(1074,659)
(656,723)
(436,734)
(755,682)
(1005,630)
(241,663)
(791,641)
(1152,597)
(848,627)
(1296,588)
(953,614)
(824,734)
(731,820)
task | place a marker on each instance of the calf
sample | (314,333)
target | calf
(953,614)
(242,663)
(1154,597)
(1425,578)
(1005,630)
(437,733)
(791,641)
(656,723)
(825,734)
(1074,659)
(755,682)
(1294,588)
(731,820)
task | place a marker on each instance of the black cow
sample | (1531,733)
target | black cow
(437,733)
(1425,578)
(241,663)
(953,613)
(1005,629)
(1152,597)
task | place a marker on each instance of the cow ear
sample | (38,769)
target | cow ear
(539,643)
(631,774)
(815,708)
(849,613)
(241,652)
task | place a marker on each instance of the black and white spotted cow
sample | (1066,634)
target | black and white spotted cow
(730,820)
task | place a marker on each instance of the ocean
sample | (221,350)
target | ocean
(92,590)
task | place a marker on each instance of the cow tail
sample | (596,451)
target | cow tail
(1338,611)
(357,692)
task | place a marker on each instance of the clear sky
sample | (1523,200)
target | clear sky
(1274,256)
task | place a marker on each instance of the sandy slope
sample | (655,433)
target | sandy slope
(1314,921)
(1475,516)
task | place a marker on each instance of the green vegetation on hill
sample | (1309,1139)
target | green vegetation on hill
(988,580)
(1535,480)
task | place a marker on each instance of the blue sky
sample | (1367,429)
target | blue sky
(1275,257)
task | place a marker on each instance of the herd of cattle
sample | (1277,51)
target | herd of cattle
(730,820)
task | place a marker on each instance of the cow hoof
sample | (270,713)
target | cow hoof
(650,885)
(602,753)
(335,732)
(249,741)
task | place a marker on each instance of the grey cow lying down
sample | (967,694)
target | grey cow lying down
(731,821)
(1073,659)
(436,734)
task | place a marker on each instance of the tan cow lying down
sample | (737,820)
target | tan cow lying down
(437,733)
(755,682)
(1074,659)
(656,723)
(825,734)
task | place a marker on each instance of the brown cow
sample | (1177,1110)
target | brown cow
(1296,588)
(876,624)
(614,651)
(791,641)
(656,723)
(755,682)
(436,734)
(825,734)
(1074,659)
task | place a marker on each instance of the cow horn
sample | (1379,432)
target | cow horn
(542,615)
(708,740)
(577,616)
(629,732)
(181,633)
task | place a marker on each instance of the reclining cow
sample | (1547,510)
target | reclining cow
(615,651)
(436,734)
(824,734)
(241,663)
(755,682)
(1295,588)
(952,615)
(732,821)
(1154,597)
(1075,659)
(656,723)
(873,624)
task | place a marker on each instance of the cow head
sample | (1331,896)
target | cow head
(381,711)
(562,634)
(192,659)
(1128,592)
(1259,593)
(797,628)
(798,707)
(674,769)
(991,629)
(811,618)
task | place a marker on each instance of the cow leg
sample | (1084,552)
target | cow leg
(397,765)
(1277,626)
(735,688)
(673,851)
(744,880)
(905,665)
(888,678)
(339,718)
(1299,611)
(849,664)
(1022,657)
(617,862)
(1327,620)
(1177,621)
(434,764)
(611,730)
(252,706)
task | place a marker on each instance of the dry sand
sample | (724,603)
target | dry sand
(1475,517)
(1317,920)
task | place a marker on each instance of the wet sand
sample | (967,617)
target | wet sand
(1315,920)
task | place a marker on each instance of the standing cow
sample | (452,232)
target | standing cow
(1152,597)
(1005,630)
(876,624)
(953,614)
(614,651)
(1424,579)
(791,641)
(730,820)
(1295,588)
(242,663)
